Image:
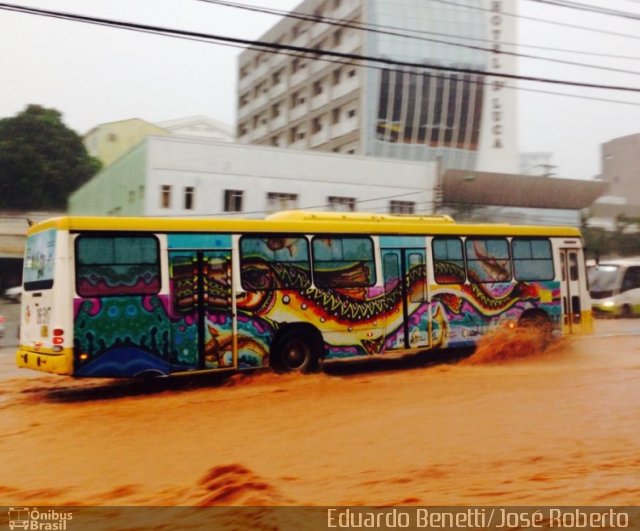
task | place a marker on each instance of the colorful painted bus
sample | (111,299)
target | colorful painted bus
(125,297)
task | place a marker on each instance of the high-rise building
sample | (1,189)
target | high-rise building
(621,167)
(450,104)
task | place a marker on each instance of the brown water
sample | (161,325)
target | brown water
(510,426)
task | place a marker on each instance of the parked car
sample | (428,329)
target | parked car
(13,294)
(614,286)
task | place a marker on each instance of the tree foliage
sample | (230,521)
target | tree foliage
(41,160)
(623,241)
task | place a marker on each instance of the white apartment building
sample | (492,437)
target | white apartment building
(453,109)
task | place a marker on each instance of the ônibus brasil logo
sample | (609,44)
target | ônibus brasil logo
(36,519)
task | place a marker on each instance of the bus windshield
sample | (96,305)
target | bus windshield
(602,280)
(39,260)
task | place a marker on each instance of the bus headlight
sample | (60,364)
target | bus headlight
(608,304)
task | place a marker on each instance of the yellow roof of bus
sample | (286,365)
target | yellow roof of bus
(302,222)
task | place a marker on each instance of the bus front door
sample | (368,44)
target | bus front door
(407,315)
(202,313)
(572,303)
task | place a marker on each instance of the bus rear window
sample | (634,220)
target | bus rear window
(117,265)
(39,256)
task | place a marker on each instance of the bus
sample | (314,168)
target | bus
(127,297)
(615,287)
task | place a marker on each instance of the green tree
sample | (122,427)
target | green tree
(41,160)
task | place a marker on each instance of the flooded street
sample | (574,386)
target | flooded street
(557,428)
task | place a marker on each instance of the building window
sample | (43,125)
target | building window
(351,113)
(352,72)
(132,196)
(402,207)
(280,201)
(233,200)
(341,204)
(337,37)
(335,116)
(141,191)
(336,76)
(189,193)
(316,125)
(317,88)
(275,110)
(112,137)
(165,196)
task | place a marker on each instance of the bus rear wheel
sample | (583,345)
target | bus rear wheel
(295,351)
(539,323)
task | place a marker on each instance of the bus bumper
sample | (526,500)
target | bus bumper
(61,363)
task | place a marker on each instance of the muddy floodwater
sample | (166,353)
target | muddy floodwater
(555,428)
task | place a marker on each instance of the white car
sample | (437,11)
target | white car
(13,294)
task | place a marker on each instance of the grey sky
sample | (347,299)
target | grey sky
(94,74)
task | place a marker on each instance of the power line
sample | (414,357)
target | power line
(368,27)
(590,8)
(547,21)
(301,49)
(399,32)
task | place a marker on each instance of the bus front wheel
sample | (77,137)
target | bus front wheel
(295,351)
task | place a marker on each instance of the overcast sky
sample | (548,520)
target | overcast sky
(94,74)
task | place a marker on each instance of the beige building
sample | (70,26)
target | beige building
(108,142)
(621,172)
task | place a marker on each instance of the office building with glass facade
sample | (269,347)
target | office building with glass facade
(449,104)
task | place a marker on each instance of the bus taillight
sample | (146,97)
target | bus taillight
(58,338)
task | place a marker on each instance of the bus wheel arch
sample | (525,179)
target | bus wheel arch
(297,347)
(149,374)
(626,311)
(537,320)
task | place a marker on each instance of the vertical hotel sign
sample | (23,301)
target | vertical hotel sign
(498,147)
(497,85)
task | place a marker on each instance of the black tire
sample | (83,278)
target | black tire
(295,351)
(625,311)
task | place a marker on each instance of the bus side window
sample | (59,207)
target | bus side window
(274,262)
(417,268)
(631,279)
(448,260)
(532,259)
(488,260)
(117,265)
(573,266)
(343,262)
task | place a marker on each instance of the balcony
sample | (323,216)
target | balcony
(320,100)
(320,137)
(278,121)
(342,128)
(298,112)
(345,87)
(278,90)
(299,77)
